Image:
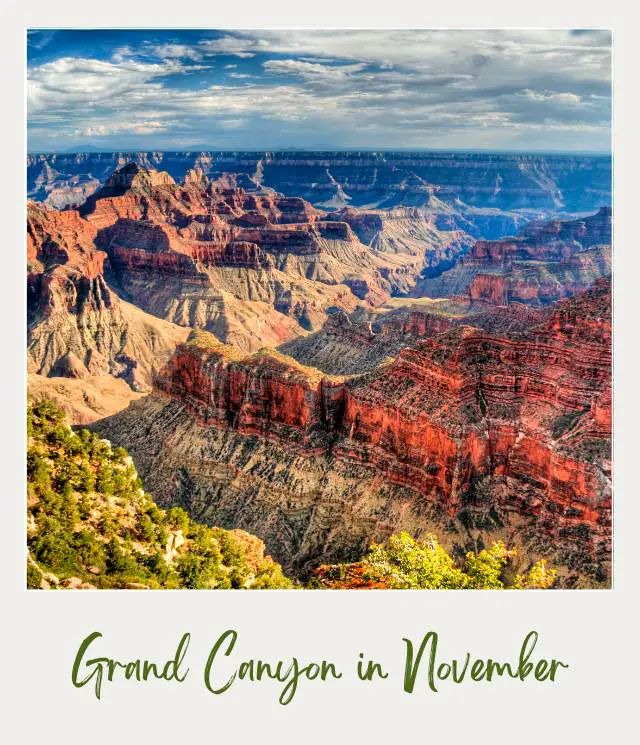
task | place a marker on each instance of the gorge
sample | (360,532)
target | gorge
(324,349)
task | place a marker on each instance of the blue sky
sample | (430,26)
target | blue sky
(178,89)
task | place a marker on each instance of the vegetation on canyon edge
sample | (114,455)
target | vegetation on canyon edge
(407,564)
(90,523)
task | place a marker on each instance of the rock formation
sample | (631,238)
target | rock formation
(77,325)
(473,432)
(84,400)
(253,269)
(548,261)
(481,181)
(360,342)
(433,373)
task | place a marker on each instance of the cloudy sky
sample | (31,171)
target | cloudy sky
(174,90)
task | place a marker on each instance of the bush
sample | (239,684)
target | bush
(117,561)
(104,479)
(195,571)
(145,529)
(404,563)
(52,548)
(177,519)
(270,577)
(38,472)
(90,552)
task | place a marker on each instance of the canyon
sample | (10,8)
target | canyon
(143,258)
(482,181)
(324,349)
(547,261)
(467,431)
(77,325)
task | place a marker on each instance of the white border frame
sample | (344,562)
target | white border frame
(592,630)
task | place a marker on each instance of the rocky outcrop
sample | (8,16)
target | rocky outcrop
(61,238)
(253,269)
(549,241)
(490,288)
(408,232)
(84,399)
(77,325)
(351,345)
(57,190)
(477,431)
(547,262)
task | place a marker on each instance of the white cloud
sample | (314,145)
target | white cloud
(312,70)
(567,98)
(423,48)
(121,54)
(176,51)
(232,45)
(232,123)
(75,81)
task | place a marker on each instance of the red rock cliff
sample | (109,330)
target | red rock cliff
(529,411)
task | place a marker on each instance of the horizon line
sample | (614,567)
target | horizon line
(541,151)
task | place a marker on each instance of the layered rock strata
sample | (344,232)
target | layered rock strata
(253,269)
(77,325)
(475,433)
(548,261)
(498,181)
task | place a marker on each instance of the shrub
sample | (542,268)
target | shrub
(52,547)
(90,552)
(195,571)
(145,529)
(404,563)
(177,519)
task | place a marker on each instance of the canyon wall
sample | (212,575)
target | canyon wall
(546,262)
(254,269)
(77,325)
(480,434)
(424,380)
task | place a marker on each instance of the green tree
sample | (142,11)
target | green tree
(145,529)
(116,559)
(195,571)
(76,525)
(270,577)
(104,478)
(86,479)
(539,577)
(38,472)
(89,551)
(178,519)
(34,576)
(51,546)
(405,563)
(485,569)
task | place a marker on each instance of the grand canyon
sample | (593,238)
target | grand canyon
(324,349)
